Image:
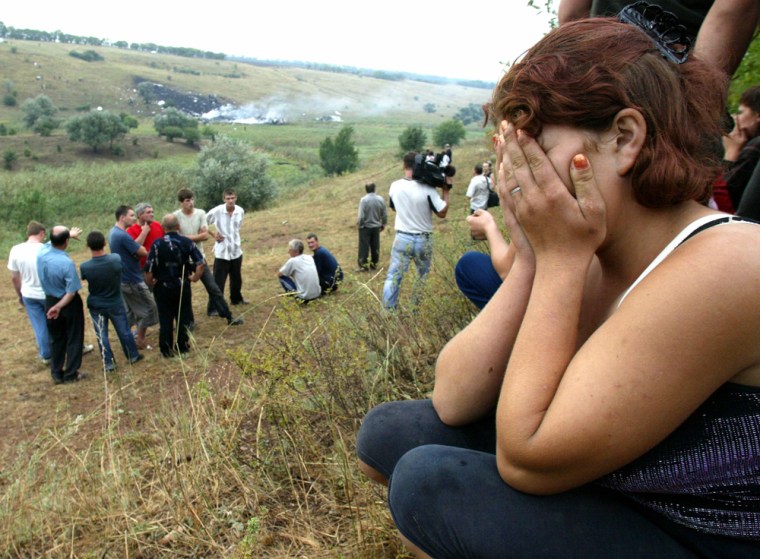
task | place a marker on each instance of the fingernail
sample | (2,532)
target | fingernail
(580,162)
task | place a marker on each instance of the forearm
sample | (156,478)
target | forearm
(573,9)
(726,33)
(16,281)
(470,368)
(546,344)
(502,253)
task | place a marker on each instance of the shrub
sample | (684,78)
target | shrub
(229,163)
(9,158)
(449,132)
(340,156)
(412,139)
(9,100)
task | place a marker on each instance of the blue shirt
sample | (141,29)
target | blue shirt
(327,266)
(58,273)
(103,275)
(126,247)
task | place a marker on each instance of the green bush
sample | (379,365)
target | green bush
(340,156)
(449,132)
(412,139)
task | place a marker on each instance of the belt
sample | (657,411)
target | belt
(415,234)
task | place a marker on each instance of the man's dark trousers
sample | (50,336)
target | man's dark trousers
(233,269)
(66,339)
(174,304)
(369,244)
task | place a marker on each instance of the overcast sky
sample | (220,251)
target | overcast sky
(450,39)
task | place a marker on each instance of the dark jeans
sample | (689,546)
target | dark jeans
(446,497)
(231,268)
(477,278)
(66,339)
(215,296)
(369,244)
(117,314)
(174,305)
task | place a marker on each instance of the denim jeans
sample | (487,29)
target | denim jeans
(407,247)
(117,314)
(35,309)
(477,278)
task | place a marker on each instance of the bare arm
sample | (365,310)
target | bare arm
(483,226)
(573,9)
(445,197)
(16,281)
(55,310)
(726,33)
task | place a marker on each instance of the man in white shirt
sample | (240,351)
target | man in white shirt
(299,274)
(22,262)
(414,203)
(194,225)
(477,190)
(228,250)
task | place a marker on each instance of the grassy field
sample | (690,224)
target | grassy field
(243,449)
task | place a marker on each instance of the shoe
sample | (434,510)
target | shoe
(87,348)
(45,361)
(139,357)
(235,321)
(110,368)
(213,313)
(79,376)
(243,302)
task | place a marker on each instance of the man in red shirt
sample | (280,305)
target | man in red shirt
(146,230)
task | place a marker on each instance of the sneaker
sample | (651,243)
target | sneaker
(110,368)
(139,357)
(213,313)
(45,361)
(87,348)
(235,321)
(242,302)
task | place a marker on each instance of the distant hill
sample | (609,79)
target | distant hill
(111,76)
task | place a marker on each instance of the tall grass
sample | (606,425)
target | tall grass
(260,464)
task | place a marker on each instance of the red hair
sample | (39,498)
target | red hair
(584,72)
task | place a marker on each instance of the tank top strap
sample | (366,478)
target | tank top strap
(686,233)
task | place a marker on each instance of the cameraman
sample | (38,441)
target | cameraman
(414,203)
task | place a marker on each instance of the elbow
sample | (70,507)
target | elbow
(535,477)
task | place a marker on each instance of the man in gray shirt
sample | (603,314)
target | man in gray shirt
(373,217)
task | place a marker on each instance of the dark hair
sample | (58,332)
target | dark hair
(409,160)
(312,236)
(34,228)
(185,194)
(584,72)
(96,240)
(478,169)
(751,98)
(121,211)
(369,187)
(229,192)
(59,239)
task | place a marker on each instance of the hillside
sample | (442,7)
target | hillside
(32,68)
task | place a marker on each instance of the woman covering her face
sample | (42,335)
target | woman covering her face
(606,401)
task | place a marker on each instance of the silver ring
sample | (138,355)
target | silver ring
(514,191)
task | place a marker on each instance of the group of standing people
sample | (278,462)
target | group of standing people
(143,281)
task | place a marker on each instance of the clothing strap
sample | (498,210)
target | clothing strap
(423,234)
(695,227)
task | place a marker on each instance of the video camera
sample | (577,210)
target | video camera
(429,173)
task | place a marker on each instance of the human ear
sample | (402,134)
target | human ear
(630,130)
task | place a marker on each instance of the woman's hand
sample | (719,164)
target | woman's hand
(554,222)
(481,222)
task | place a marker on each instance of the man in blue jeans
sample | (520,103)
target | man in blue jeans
(414,203)
(22,262)
(103,275)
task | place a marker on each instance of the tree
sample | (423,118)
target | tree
(449,132)
(412,139)
(469,114)
(228,163)
(96,129)
(339,156)
(9,158)
(171,120)
(39,114)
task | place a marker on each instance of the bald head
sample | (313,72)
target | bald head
(170,223)
(59,236)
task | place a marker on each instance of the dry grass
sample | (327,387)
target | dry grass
(245,448)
